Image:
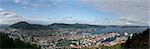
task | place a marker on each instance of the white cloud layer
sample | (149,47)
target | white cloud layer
(38,3)
(8,17)
(130,12)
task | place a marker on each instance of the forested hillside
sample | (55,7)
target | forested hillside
(8,43)
(138,41)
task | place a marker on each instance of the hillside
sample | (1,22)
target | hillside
(25,25)
(138,41)
(8,43)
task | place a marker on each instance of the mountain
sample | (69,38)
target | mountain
(63,25)
(25,25)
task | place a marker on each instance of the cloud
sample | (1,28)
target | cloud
(39,4)
(133,11)
(129,12)
(8,14)
(9,17)
(1,9)
(35,3)
(70,20)
(31,3)
(133,22)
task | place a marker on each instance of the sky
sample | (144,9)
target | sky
(97,12)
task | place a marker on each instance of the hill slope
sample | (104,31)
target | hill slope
(138,41)
(8,43)
(25,25)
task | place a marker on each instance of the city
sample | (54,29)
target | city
(68,39)
(65,37)
(74,24)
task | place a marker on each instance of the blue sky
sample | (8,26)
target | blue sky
(113,12)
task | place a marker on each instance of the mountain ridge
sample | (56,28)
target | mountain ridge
(26,25)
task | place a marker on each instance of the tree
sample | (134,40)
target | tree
(8,43)
(138,41)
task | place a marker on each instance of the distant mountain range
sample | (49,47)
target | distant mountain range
(26,25)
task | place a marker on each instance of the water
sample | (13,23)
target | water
(120,30)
